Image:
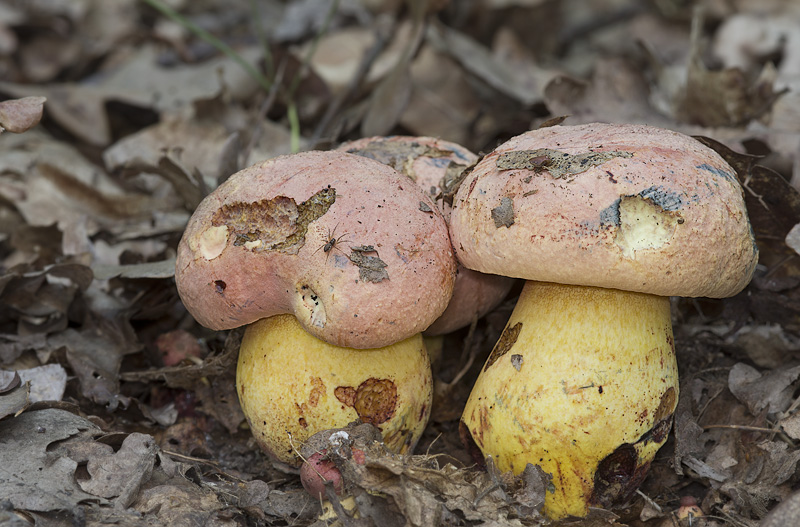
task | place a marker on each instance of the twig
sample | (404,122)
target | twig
(743,427)
(649,500)
(202,461)
(173,15)
(469,348)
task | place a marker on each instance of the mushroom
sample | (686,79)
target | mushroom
(605,222)
(337,263)
(292,385)
(430,162)
(344,243)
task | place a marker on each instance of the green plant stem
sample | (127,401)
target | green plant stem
(313,48)
(173,15)
(294,126)
(262,38)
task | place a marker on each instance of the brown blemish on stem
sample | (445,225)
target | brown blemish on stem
(276,224)
(662,419)
(667,405)
(375,400)
(470,445)
(618,476)
(317,392)
(504,344)
(346,395)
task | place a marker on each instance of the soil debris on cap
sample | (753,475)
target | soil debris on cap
(276,224)
(503,214)
(559,164)
(399,155)
(451,181)
(516,361)
(370,268)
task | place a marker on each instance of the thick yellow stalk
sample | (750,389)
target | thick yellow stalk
(292,385)
(583,383)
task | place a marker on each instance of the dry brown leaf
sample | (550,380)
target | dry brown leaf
(120,474)
(14,400)
(48,55)
(187,377)
(218,399)
(441,104)
(183,505)
(29,476)
(197,144)
(95,353)
(771,391)
(616,92)
(47,383)
(20,115)
(339,55)
(388,102)
(479,61)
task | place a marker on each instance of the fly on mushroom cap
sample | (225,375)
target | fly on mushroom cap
(340,241)
(435,164)
(605,221)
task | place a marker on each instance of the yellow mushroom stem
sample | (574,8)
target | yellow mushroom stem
(583,383)
(292,385)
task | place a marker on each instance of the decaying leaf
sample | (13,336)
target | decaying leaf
(20,115)
(188,376)
(15,397)
(426,494)
(120,474)
(771,391)
(47,383)
(30,477)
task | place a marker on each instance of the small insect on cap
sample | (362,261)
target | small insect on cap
(432,164)
(352,248)
(627,207)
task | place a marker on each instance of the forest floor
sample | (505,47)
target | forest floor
(123,410)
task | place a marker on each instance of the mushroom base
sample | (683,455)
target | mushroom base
(292,385)
(583,382)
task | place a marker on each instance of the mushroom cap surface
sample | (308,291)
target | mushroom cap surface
(426,160)
(627,207)
(359,255)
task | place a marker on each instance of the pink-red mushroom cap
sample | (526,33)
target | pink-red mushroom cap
(427,161)
(627,207)
(353,249)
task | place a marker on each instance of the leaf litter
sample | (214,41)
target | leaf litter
(116,407)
